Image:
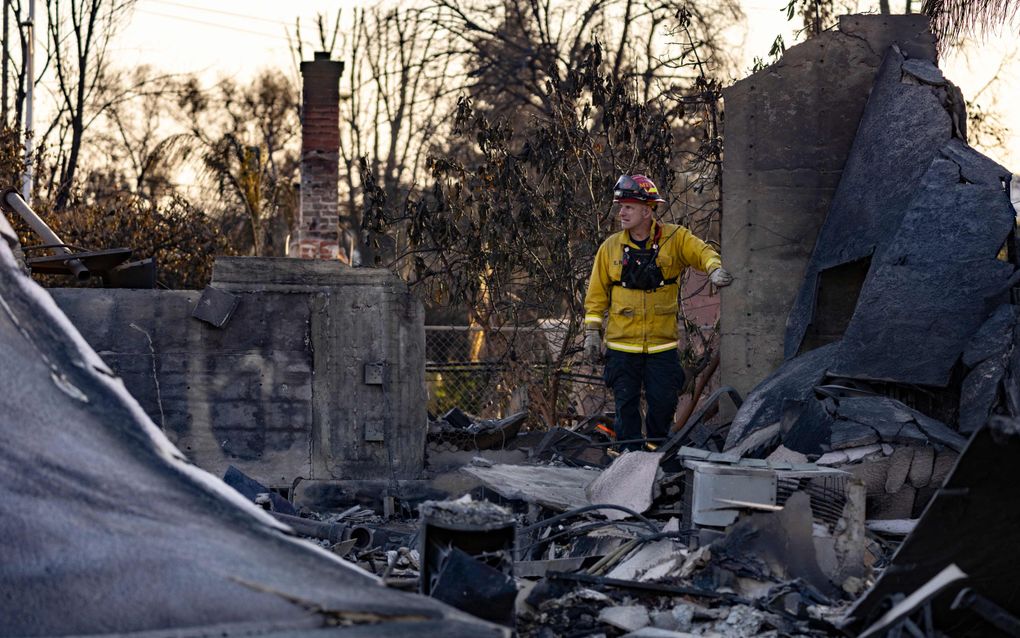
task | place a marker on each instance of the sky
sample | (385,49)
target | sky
(237,38)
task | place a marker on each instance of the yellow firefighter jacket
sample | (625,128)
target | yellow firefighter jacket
(643,320)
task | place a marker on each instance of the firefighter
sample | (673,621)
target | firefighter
(635,280)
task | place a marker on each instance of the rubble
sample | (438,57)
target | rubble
(98,500)
(843,497)
(456,430)
(975,505)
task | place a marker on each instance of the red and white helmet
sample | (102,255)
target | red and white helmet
(636,188)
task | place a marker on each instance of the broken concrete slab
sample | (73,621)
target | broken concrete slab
(630,481)
(626,617)
(98,500)
(899,467)
(558,488)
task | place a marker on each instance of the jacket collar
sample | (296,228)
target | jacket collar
(653,233)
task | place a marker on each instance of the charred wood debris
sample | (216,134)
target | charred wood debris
(866,487)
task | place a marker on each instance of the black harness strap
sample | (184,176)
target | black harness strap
(643,275)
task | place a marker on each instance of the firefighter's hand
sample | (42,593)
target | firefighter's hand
(720,277)
(592,345)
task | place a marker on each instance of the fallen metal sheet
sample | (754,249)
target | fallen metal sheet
(558,488)
(902,129)
(629,481)
(250,489)
(918,309)
(99,506)
(971,522)
(793,380)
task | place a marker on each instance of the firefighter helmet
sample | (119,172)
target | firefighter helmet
(636,188)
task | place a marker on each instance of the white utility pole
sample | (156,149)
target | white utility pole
(26,182)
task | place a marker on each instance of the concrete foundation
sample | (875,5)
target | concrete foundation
(789,129)
(318,373)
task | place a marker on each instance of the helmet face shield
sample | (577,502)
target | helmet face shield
(636,188)
(627,188)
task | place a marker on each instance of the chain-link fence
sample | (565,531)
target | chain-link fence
(491,373)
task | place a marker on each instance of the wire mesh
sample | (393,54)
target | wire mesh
(491,373)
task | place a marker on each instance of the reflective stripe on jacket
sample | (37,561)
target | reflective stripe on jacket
(643,320)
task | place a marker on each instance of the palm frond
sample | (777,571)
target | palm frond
(951,20)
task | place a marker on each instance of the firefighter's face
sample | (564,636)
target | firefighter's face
(634,215)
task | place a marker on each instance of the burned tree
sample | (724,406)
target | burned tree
(517,208)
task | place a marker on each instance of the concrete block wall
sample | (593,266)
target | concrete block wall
(318,374)
(789,129)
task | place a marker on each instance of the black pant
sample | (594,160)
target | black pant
(662,378)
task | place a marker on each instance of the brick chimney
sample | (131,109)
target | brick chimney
(317,232)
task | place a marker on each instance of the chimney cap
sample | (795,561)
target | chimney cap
(322,55)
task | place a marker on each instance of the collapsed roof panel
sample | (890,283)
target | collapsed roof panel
(99,506)
(937,279)
(903,127)
(793,381)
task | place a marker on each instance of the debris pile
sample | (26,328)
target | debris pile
(99,506)
(455,430)
(866,486)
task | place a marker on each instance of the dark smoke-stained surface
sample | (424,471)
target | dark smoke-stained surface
(106,529)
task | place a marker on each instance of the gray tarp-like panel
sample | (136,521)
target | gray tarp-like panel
(106,528)
(903,127)
(937,280)
(793,381)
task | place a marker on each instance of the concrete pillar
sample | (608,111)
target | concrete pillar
(317,232)
(789,129)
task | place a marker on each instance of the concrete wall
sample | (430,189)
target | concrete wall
(789,129)
(318,374)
